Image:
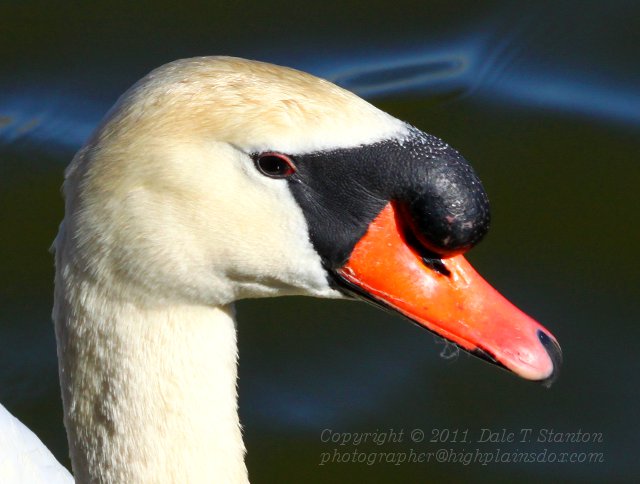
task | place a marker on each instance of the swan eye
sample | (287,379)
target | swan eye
(275,165)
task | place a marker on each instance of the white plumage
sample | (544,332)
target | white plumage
(23,458)
(167,222)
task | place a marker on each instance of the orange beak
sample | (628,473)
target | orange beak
(447,296)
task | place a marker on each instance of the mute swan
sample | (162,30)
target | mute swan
(216,179)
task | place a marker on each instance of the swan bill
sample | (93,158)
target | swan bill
(448,297)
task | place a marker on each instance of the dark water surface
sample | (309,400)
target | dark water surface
(543,98)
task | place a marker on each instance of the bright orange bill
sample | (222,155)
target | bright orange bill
(459,306)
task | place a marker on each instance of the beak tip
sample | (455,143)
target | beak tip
(555,355)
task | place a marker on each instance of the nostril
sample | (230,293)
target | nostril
(429,258)
(436,264)
(555,354)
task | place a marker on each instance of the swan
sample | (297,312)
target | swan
(215,179)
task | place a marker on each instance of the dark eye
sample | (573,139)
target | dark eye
(275,165)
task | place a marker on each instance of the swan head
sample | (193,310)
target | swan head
(215,179)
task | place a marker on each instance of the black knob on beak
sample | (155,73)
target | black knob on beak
(447,209)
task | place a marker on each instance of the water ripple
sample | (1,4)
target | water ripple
(584,97)
(488,64)
(51,119)
(432,74)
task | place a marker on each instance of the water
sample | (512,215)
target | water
(544,101)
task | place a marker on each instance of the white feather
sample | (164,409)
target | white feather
(23,458)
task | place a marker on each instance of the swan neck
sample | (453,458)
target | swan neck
(149,392)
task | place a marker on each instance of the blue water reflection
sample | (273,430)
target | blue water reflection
(65,119)
(48,118)
(426,75)
(581,95)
